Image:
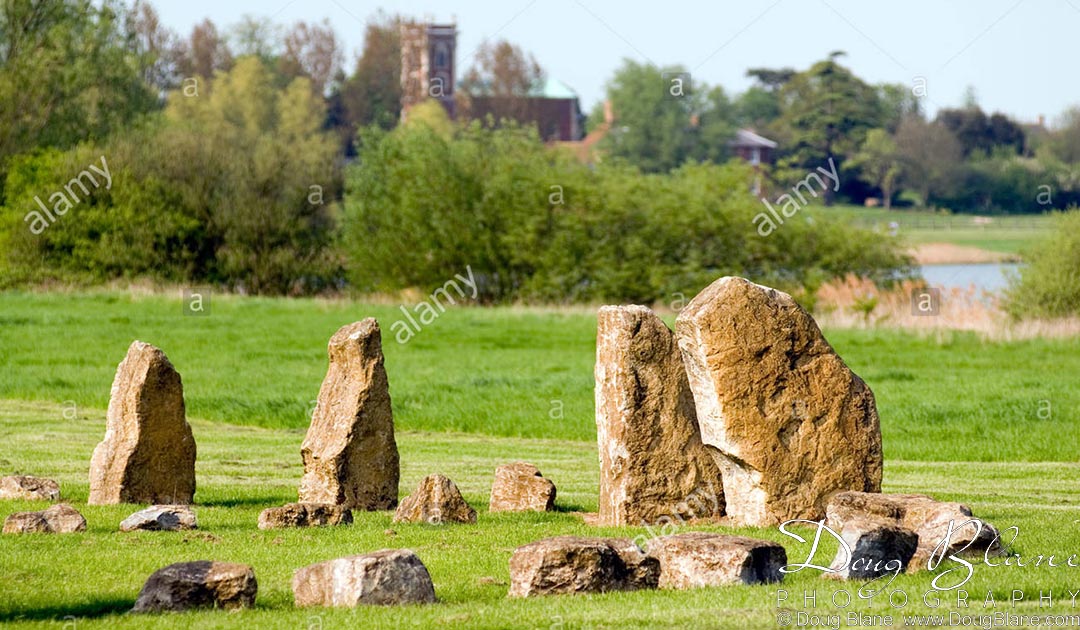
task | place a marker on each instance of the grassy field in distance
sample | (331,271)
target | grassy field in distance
(1010,234)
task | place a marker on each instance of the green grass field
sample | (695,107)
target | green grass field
(1012,234)
(995,425)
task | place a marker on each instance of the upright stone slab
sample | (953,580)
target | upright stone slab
(790,422)
(350,456)
(148,454)
(653,465)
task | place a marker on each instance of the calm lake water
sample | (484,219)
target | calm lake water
(990,277)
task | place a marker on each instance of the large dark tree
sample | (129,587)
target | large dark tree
(827,111)
(978,132)
(372,95)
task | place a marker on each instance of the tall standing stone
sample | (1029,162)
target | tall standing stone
(350,456)
(790,422)
(148,454)
(653,465)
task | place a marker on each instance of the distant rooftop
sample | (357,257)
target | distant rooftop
(546,88)
(747,138)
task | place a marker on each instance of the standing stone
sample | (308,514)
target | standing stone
(29,488)
(790,422)
(148,454)
(164,518)
(437,500)
(350,456)
(572,564)
(304,515)
(877,548)
(201,584)
(519,487)
(387,577)
(653,465)
(59,519)
(932,520)
(697,559)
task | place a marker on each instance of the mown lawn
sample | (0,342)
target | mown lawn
(995,425)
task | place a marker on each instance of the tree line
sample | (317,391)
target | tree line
(247,157)
(962,159)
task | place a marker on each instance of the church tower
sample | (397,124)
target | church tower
(427,64)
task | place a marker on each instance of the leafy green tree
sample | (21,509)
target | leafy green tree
(931,157)
(236,187)
(533,224)
(716,124)
(66,74)
(878,163)
(652,124)
(757,108)
(1064,141)
(372,94)
(827,111)
(897,103)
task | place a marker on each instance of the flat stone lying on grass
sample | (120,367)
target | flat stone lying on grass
(697,559)
(928,518)
(437,500)
(878,548)
(350,456)
(29,488)
(169,518)
(148,454)
(653,465)
(201,584)
(304,515)
(519,487)
(790,422)
(59,519)
(387,577)
(573,564)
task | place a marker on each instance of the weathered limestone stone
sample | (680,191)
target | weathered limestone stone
(437,500)
(304,515)
(201,584)
(928,518)
(387,577)
(350,456)
(697,559)
(572,564)
(790,422)
(59,519)
(653,464)
(519,487)
(29,488)
(148,454)
(169,518)
(878,548)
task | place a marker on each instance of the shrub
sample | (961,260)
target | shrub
(219,190)
(535,225)
(1049,283)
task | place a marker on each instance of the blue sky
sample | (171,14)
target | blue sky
(1019,55)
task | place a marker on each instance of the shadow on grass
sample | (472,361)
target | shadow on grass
(85,610)
(265,501)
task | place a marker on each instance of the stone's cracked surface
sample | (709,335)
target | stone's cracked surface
(790,423)
(653,465)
